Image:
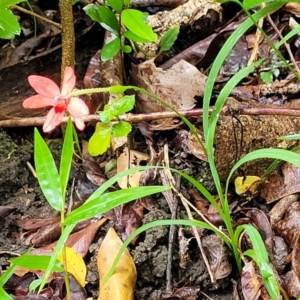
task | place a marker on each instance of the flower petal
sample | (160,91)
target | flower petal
(53,119)
(77,107)
(79,123)
(37,101)
(44,86)
(68,82)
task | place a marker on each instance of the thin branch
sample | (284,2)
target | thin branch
(35,15)
(135,118)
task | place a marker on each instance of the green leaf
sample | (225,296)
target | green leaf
(46,172)
(281,154)
(122,105)
(169,38)
(117,5)
(53,258)
(126,49)
(92,11)
(75,1)
(9,25)
(260,255)
(120,129)
(290,137)
(118,107)
(133,37)
(100,140)
(266,77)
(4,295)
(7,274)
(111,49)
(133,20)
(110,200)
(35,262)
(248,4)
(7,3)
(108,20)
(110,165)
(145,227)
(66,158)
(127,2)
(34,284)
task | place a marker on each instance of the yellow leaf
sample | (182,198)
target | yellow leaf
(120,286)
(74,264)
(243,184)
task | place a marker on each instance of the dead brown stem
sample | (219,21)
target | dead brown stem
(135,118)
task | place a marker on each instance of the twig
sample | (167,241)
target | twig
(172,200)
(257,40)
(135,118)
(35,15)
(287,46)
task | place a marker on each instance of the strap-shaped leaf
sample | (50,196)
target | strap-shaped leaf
(47,173)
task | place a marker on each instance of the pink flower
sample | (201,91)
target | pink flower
(49,94)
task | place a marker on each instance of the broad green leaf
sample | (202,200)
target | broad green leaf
(133,20)
(66,158)
(169,38)
(92,11)
(133,37)
(118,107)
(127,2)
(108,20)
(123,105)
(107,114)
(120,129)
(100,140)
(46,172)
(126,49)
(9,25)
(110,200)
(7,3)
(111,49)
(117,5)
(35,262)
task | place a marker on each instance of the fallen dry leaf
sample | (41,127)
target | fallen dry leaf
(276,186)
(289,227)
(120,286)
(244,184)
(251,282)
(125,163)
(80,241)
(168,85)
(217,255)
(74,264)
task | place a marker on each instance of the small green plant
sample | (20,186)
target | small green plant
(9,25)
(100,140)
(130,24)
